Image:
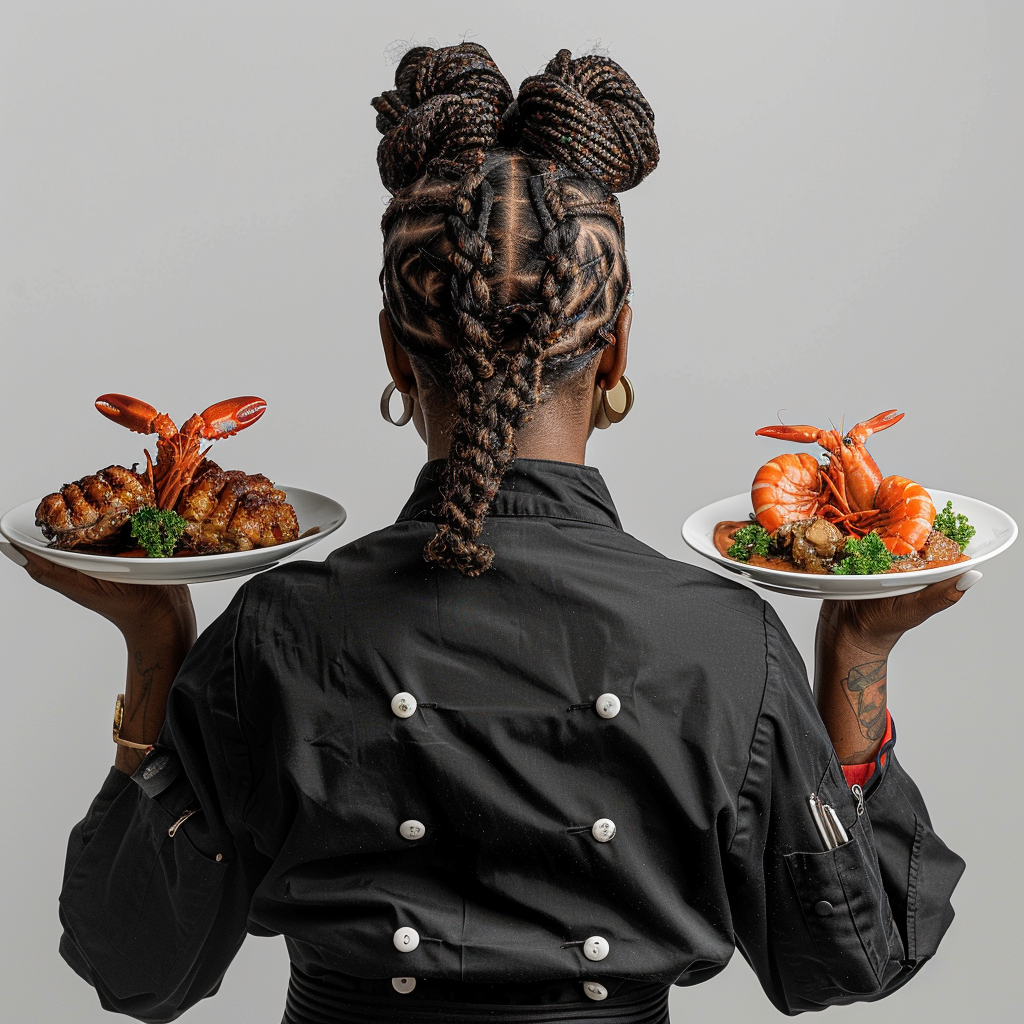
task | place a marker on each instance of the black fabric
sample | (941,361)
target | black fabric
(280,735)
(326,999)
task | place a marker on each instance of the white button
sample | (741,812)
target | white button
(403,704)
(595,948)
(407,939)
(413,829)
(406,985)
(603,830)
(607,705)
(594,990)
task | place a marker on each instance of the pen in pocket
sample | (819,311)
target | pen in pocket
(828,823)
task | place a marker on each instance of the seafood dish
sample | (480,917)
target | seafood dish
(841,516)
(182,503)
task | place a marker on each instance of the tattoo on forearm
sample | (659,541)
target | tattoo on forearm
(865,689)
(142,687)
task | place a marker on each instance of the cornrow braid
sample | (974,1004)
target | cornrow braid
(504,265)
(481,445)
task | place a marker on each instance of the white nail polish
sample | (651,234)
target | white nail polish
(968,580)
(13,553)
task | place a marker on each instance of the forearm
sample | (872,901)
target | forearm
(155,653)
(850,692)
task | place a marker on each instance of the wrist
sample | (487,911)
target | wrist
(169,622)
(845,628)
(853,643)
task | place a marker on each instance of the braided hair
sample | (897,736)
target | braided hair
(504,257)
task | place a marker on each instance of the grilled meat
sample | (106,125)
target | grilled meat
(228,510)
(93,510)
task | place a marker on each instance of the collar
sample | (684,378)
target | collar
(530,487)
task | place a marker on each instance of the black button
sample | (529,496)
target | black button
(823,908)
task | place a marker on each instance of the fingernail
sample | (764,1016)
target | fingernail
(968,580)
(13,553)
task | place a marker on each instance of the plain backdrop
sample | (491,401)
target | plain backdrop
(190,211)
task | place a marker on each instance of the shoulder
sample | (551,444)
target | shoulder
(692,589)
(302,591)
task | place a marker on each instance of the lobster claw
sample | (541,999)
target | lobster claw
(798,433)
(230,416)
(862,431)
(136,415)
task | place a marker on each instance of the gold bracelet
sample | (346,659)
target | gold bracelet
(118,716)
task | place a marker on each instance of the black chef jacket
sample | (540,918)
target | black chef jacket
(411,773)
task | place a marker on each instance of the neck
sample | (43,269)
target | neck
(556,431)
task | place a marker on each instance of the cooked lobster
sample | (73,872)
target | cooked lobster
(224,510)
(848,490)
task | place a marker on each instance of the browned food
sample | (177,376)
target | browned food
(937,550)
(224,511)
(810,543)
(723,538)
(941,550)
(805,546)
(228,510)
(92,511)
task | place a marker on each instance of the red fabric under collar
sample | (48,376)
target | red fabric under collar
(858,774)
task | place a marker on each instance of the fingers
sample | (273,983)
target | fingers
(31,562)
(42,570)
(968,580)
(939,596)
(13,553)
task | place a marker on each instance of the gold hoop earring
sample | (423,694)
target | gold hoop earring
(385,406)
(614,404)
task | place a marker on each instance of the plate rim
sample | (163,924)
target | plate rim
(782,581)
(218,564)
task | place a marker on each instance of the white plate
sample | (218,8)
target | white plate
(312,509)
(996,531)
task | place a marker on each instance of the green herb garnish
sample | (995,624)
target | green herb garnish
(864,557)
(747,541)
(157,530)
(954,525)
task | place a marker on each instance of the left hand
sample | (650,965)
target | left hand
(130,607)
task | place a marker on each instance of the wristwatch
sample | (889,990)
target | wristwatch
(118,717)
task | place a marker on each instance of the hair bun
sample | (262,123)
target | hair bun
(443,113)
(589,116)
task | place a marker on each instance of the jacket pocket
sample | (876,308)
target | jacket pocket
(847,913)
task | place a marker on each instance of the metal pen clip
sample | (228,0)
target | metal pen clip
(840,831)
(828,823)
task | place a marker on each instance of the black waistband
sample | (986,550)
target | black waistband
(338,999)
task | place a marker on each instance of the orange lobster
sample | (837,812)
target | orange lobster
(179,452)
(848,491)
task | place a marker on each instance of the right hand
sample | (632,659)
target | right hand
(134,608)
(875,626)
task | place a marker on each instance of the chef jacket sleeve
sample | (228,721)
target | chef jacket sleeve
(823,927)
(160,873)
(859,774)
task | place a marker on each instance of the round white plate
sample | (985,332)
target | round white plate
(996,531)
(312,509)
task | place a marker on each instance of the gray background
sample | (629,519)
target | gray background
(190,212)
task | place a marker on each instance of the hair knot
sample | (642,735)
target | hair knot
(442,116)
(590,117)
